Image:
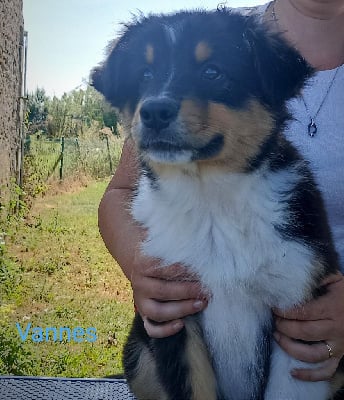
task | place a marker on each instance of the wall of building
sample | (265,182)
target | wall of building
(11,65)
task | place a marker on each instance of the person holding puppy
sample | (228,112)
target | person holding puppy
(165,296)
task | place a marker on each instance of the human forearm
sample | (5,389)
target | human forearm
(121,235)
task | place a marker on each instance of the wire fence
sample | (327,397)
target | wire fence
(47,159)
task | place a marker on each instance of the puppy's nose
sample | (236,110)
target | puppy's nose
(158,114)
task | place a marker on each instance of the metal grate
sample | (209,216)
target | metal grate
(27,388)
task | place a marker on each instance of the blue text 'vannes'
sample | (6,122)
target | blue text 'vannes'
(57,334)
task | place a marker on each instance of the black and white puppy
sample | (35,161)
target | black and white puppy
(203,95)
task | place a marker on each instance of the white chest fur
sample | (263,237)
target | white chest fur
(223,226)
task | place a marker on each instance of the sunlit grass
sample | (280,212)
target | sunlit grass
(62,275)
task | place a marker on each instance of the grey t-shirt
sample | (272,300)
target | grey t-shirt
(324,151)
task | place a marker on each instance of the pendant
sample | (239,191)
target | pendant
(312,128)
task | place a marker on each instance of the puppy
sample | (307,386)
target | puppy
(203,96)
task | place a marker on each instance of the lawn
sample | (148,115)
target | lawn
(57,273)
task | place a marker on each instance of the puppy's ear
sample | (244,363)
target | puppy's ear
(106,78)
(97,79)
(280,69)
(105,82)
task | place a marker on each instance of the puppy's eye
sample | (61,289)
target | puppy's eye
(211,73)
(147,75)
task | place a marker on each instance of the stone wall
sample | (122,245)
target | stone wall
(11,65)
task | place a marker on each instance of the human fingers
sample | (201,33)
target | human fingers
(311,311)
(323,373)
(333,278)
(174,272)
(319,308)
(167,311)
(307,352)
(161,330)
(163,290)
(305,330)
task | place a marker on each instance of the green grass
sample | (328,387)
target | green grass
(57,272)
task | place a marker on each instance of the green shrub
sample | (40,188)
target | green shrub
(15,359)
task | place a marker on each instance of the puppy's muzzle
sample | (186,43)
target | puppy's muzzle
(158,114)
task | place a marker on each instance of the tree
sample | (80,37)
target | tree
(71,114)
(78,110)
(57,116)
(97,109)
(37,110)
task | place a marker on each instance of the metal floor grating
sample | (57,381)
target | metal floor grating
(36,388)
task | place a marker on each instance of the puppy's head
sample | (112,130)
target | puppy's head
(204,87)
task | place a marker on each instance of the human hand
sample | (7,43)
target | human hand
(164,295)
(320,320)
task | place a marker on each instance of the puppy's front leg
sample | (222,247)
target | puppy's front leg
(282,386)
(140,365)
(201,374)
(172,368)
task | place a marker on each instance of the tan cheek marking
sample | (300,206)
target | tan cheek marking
(126,119)
(244,130)
(130,122)
(195,116)
(202,52)
(149,54)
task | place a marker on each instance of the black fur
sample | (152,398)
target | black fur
(261,66)
(172,365)
(172,368)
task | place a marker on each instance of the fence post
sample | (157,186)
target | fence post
(61,158)
(77,144)
(109,155)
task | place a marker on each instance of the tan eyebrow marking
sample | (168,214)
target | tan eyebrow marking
(149,54)
(202,51)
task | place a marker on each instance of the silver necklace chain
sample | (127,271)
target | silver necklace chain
(312,126)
